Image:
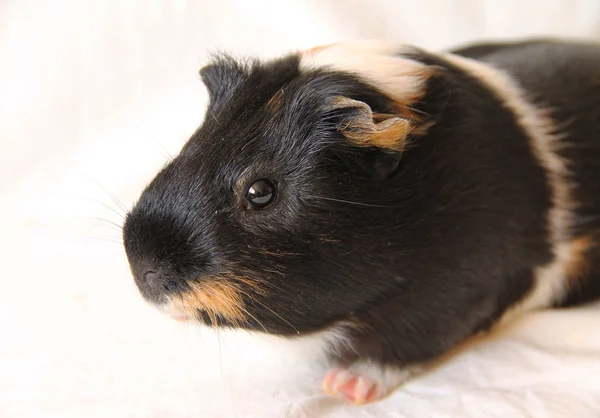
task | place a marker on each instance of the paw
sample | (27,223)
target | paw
(342,383)
(364,383)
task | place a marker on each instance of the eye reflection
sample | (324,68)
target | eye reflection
(261,193)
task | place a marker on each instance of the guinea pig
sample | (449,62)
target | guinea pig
(386,200)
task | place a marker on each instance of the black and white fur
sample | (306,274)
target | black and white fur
(421,198)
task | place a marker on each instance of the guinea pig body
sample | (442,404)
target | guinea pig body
(399,200)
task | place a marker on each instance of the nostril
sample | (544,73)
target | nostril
(150,279)
(151,276)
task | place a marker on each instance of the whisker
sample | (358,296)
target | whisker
(253,317)
(119,227)
(179,296)
(112,196)
(119,214)
(418,111)
(118,256)
(220,351)
(353,203)
(189,332)
(257,284)
(166,153)
(212,316)
(106,239)
(271,310)
(215,118)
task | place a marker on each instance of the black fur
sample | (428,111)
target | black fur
(419,254)
(565,77)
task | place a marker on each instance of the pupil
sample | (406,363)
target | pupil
(260,193)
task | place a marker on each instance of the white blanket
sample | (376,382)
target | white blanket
(93,98)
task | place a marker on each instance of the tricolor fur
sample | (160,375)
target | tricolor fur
(420,198)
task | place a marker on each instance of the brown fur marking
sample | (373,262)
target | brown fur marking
(579,266)
(217,297)
(373,129)
(390,134)
(275,102)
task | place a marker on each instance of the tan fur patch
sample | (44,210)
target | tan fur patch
(381,65)
(389,134)
(579,266)
(216,298)
(222,296)
(374,129)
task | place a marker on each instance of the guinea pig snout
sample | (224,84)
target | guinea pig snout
(160,252)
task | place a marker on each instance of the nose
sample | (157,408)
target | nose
(152,281)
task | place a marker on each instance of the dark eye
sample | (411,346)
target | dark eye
(261,194)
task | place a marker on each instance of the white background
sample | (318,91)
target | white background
(93,97)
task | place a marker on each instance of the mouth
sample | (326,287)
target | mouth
(189,314)
(211,302)
(194,314)
(180,317)
(176,314)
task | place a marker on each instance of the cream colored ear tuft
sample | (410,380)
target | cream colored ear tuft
(378,63)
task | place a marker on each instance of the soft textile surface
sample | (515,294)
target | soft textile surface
(93,98)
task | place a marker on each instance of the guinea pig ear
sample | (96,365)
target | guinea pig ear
(378,140)
(363,128)
(221,78)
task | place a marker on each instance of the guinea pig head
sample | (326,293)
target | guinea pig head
(278,213)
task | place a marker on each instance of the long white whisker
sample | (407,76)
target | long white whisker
(351,202)
(119,227)
(253,317)
(271,310)
(112,196)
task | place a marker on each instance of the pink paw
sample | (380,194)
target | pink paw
(343,383)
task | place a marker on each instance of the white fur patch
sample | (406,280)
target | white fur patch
(317,346)
(378,63)
(550,280)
